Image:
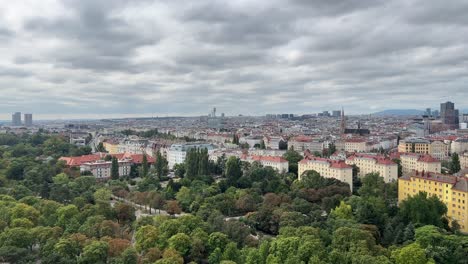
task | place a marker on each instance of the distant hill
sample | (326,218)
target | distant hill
(399,112)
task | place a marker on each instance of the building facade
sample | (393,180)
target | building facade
(177,152)
(302,143)
(374,164)
(278,163)
(102,169)
(327,168)
(464,161)
(459,146)
(451,190)
(417,162)
(436,149)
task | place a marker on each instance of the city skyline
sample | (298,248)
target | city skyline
(107,58)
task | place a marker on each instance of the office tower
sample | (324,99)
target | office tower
(336,113)
(16,119)
(28,121)
(449,115)
(428,112)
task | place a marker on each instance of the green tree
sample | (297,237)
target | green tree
(130,256)
(180,242)
(293,157)
(115,169)
(455,163)
(100,147)
(191,164)
(95,252)
(422,210)
(262,144)
(161,165)
(331,149)
(411,254)
(144,166)
(400,167)
(203,162)
(233,170)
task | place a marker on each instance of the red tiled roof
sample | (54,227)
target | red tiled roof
(302,139)
(79,160)
(333,163)
(428,159)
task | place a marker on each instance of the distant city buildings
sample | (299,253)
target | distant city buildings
(16,119)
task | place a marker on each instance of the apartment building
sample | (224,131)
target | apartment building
(302,143)
(374,164)
(177,152)
(419,162)
(278,163)
(464,160)
(102,169)
(451,190)
(356,145)
(437,149)
(459,146)
(327,168)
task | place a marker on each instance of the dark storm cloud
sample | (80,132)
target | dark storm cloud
(183,57)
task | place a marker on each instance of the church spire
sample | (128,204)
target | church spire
(343,122)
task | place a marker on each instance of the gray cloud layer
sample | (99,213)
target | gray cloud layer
(183,57)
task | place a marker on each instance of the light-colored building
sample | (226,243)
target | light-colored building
(451,190)
(419,162)
(102,169)
(437,149)
(78,141)
(464,160)
(177,152)
(459,145)
(251,140)
(327,168)
(374,164)
(356,145)
(111,147)
(278,163)
(272,142)
(302,143)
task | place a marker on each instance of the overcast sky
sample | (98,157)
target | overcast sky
(94,58)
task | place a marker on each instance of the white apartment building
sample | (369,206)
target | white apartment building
(302,143)
(327,168)
(102,169)
(374,164)
(464,161)
(459,146)
(278,163)
(177,152)
(419,162)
